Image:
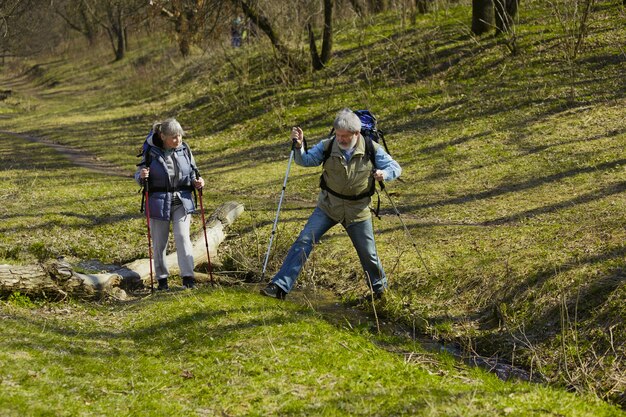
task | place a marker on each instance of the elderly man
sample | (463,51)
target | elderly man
(347,184)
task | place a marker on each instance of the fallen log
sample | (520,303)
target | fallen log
(56,278)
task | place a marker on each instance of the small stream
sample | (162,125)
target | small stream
(326,303)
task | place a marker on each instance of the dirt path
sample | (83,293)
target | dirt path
(76,156)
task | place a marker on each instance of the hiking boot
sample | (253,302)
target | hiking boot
(274,291)
(163,285)
(189,283)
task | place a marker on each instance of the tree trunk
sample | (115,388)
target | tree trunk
(482,16)
(56,279)
(327,39)
(319,61)
(423,6)
(263,23)
(118,28)
(358,8)
(79,19)
(379,6)
(315,56)
(91,27)
(120,49)
(114,27)
(181,27)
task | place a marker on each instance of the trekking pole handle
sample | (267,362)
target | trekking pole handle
(195,170)
(145,178)
(297,137)
(381,183)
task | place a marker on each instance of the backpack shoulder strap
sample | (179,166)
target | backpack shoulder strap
(187,151)
(194,168)
(370,150)
(146,155)
(328,148)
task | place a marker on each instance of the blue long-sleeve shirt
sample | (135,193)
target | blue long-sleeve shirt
(315,156)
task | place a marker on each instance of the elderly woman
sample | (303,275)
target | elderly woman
(348,175)
(170,169)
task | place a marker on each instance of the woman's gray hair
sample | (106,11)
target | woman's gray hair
(168,127)
(347,120)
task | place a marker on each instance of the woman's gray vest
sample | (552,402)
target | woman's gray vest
(160,190)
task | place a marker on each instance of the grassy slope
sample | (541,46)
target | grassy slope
(213,352)
(513,191)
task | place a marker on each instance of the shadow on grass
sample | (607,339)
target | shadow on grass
(613,189)
(522,186)
(200,327)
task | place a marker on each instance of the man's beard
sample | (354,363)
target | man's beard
(349,146)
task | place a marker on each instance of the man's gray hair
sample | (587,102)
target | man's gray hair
(168,127)
(347,120)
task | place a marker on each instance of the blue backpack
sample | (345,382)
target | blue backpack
(369,129)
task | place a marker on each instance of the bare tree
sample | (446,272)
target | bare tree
(77,16)
(482,16)
(11,10)
(26,30)
(573,18)
(319,61)
(260,20)
(191,18)
(115,17)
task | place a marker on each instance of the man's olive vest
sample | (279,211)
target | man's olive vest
(349,182)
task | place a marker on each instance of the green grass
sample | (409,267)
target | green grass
(513,174)
(230,352)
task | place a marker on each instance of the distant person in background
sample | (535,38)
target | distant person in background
(236,32)
(169,167)
(347,178)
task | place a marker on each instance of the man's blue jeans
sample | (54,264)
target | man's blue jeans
(362,236)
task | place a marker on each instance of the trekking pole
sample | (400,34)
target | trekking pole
(206,240)
(280,202)
(408,232)
(147,202)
